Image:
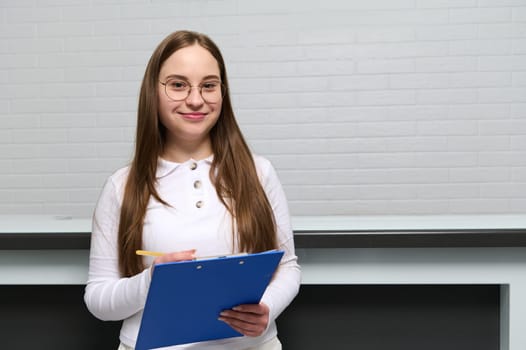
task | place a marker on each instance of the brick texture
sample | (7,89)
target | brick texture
(364,107)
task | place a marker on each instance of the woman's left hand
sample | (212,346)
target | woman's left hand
(249,319)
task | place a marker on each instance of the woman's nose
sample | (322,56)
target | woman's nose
(194,97)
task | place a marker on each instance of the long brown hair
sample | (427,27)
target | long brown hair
(233,171)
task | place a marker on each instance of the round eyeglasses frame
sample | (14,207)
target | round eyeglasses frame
(190,87)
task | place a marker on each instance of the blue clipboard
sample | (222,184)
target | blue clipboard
(185,298)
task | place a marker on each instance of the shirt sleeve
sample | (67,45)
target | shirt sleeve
(108,296)
(286,281)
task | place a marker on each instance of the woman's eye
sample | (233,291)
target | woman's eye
(210,85)
(177,85)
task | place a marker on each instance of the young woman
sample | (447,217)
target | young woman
(192,189)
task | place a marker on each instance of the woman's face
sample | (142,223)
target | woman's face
(189,119)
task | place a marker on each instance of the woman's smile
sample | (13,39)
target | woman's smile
(193,116)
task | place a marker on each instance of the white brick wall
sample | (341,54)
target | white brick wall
(364,107)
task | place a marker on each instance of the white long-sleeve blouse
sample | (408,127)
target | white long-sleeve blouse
(195,219)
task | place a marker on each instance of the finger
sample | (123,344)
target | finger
(259,309)
(248,329)
(246,332)
(250,313)
(176,256)
(241,316)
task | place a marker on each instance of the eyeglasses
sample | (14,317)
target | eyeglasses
(178,90)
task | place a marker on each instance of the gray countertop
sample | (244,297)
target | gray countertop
(63,232)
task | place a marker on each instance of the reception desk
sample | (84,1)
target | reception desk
(333,251)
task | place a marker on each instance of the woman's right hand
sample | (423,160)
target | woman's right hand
(175,256)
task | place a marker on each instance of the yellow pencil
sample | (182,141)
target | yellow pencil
(148,253)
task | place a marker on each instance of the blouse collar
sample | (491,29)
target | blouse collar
(166,167)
